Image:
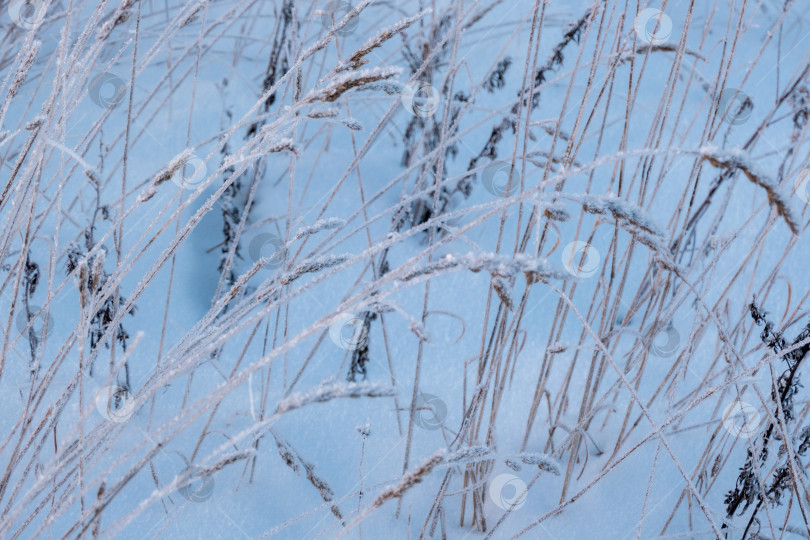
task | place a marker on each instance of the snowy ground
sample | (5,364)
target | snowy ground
(419,269)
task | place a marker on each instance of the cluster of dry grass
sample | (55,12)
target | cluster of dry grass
(580,190)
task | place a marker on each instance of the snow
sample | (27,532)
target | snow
(487,373)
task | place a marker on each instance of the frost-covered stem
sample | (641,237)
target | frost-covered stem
(408,480)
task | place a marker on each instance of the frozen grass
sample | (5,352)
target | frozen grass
(457,269)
